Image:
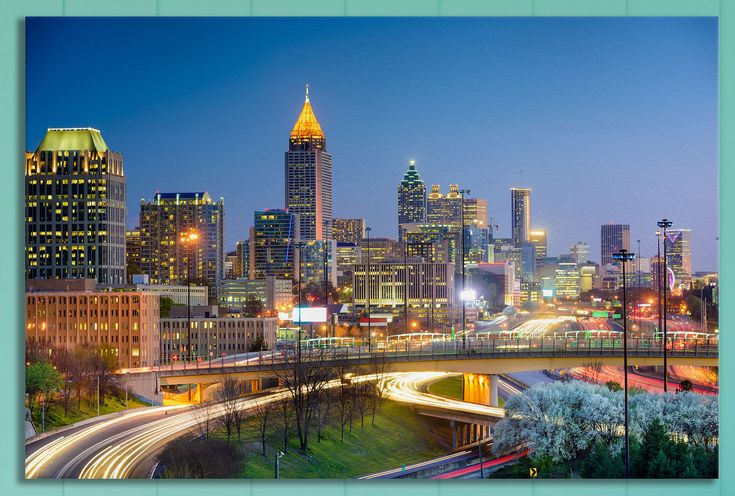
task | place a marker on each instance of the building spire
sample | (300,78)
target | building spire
(307,93)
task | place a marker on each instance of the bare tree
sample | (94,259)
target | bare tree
(228,395)
(203,414)
(362,397)
(285,408)
(322,410)
(378,391)
(263,412)
(304,375)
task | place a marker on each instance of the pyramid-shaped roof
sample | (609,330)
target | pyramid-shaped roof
(307,128)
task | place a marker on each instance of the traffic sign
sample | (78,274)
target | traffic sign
(533,471)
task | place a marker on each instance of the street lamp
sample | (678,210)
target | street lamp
(625,256)
(187,240)
(464,331)
(665,224)
(367,277)
(278,462)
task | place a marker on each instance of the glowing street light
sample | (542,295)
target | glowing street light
(665,224)
(625,256)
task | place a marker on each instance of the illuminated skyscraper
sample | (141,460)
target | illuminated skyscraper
(539,239)
(309,176)
(348,230)
(679,256)
(132,253)
(613,237)
(164,220)
(273,250)
(75,208)
(521,211)
(444,209)
(411,197)
(475,212)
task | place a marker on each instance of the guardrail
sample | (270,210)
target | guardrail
(468,349)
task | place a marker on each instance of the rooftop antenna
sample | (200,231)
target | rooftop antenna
(521,175)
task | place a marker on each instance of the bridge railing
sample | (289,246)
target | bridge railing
(471,348)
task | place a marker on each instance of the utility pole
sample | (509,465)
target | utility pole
(367,276)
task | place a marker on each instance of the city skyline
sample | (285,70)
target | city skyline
(689,199)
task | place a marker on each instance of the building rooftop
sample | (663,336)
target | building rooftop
(307,127)
(85,138)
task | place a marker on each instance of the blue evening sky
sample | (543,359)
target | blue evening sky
(610,119)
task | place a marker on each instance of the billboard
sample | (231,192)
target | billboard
(308,315)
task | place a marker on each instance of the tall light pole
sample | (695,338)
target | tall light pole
(405,285)
(367,278)
(327,239)
(659,281)
(665,224)
(638,295)
(187,240)
(463,192)
(625,256)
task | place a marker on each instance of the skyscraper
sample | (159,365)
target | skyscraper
(521,211)
(580,252)
(348,230)
(75,208)
(444,209)
(411,197)
(309,176)
(132,253)
(679,256)
(475,212)
(273,250)
(539,238)
(613,237)
(163,256)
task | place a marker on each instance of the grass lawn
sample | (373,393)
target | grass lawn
(55,417)
(398,437)
(451,387)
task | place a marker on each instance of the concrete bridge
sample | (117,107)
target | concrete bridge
(481,357)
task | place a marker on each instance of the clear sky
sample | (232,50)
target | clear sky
(610,119)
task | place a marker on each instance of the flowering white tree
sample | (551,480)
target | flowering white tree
(563,419)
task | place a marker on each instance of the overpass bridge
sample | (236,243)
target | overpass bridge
(481,357)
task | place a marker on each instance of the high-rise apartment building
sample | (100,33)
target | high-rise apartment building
(521,212)
(240,250)
(411,197)
(165,257)
(613,237)
(679,256)
(348,230)
(309,176)
(75,208)
(273,244)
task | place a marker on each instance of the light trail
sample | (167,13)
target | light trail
(407,388)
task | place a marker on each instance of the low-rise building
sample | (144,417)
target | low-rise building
(215,337)
(273,293)
(126,322)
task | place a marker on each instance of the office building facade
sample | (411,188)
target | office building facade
(679,256)
(75,208)
(273,244)
(348,230)
(521,215)
(613,238)
(125,323)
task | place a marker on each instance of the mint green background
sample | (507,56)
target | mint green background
(12,95)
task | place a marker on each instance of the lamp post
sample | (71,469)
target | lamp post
(638,295)
(187,240)
(300,245)
(665,224)
(659,281)
(327,239)
(405,285)
(625,256)
(367,277)
(463,192)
